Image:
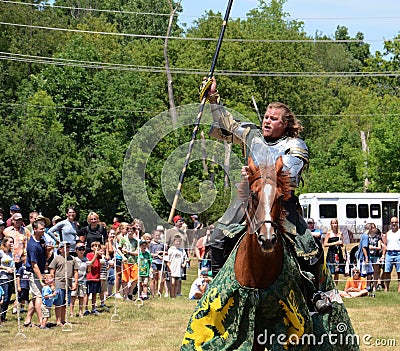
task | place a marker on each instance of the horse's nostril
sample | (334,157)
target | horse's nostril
(273,240)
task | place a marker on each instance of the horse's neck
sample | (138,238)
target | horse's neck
(254,268)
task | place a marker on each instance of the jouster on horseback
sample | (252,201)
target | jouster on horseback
(257,300)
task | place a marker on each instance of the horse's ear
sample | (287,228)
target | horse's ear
(279,165)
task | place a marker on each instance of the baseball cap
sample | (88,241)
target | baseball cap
(2,223)
(62,244)
(142,242)
(17,216)
(177,218)
(160,228)
(194,216)
(15,208)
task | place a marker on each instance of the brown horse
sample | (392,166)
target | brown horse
(257,299)
(263,191)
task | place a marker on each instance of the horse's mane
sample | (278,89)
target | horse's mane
(267,171)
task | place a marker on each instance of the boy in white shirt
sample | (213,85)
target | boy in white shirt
(177,259)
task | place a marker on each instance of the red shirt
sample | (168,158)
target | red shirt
(94,273)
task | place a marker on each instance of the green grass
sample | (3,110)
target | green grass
(161,322)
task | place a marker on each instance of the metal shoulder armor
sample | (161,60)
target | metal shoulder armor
(295,158)
(225,127)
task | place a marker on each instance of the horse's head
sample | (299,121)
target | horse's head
(263,193)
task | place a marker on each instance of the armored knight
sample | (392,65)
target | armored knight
(279,136)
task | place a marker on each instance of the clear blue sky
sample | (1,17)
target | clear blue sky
(377,19)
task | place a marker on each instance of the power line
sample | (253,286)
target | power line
(87,9)
(42,5)
(177,70)
(235,40)
(11,104)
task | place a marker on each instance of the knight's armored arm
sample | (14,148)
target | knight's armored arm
(295,159)
(224,127)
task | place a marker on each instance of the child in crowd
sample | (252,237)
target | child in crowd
(93,275)
(80,291)
(147,237)
(157,253)
(200,285)
(49,294)
(177,260)
(120,233)
(22,285)
(128,246)
(144,269)
(105,265)
(57,270)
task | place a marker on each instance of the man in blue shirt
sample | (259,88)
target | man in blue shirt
(363,257)
(316,233)
(35,266)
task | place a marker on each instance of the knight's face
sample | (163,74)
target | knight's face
(273,126)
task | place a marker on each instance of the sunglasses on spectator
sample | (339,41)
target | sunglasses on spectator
(80,248)
(394,222)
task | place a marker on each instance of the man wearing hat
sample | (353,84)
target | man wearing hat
(196,223)
(177,229)
(316,233)
(20,235)
(13,209)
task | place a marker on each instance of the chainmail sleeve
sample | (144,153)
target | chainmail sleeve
(224,126)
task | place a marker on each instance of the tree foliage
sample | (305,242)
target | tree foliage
(67,125)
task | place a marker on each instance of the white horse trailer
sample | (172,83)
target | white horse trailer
(353,210)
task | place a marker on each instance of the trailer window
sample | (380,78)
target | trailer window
(305,213)
(351,211)
(375,210)
(327,211)
(363,211)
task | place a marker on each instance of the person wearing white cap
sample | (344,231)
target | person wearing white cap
(196,223)
(20,235)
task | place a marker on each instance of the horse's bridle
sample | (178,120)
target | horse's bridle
(254,226)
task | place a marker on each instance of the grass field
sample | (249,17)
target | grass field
(161,322)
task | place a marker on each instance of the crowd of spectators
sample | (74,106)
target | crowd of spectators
(50,264)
